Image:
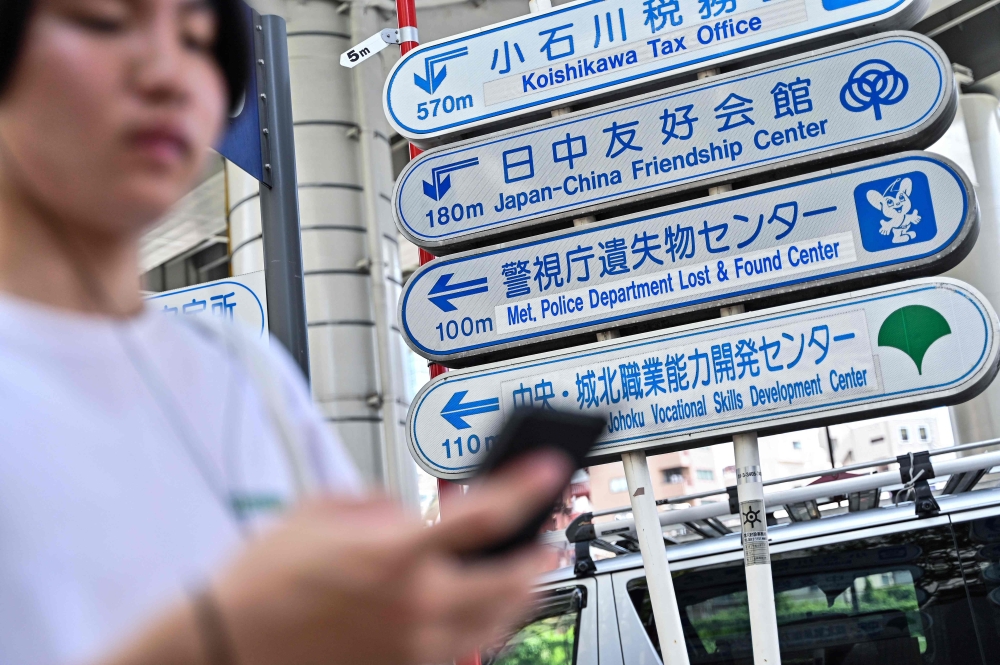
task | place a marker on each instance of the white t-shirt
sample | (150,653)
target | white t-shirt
(115,502)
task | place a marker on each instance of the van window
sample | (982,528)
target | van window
(890,600)
(550,637)
(979,548)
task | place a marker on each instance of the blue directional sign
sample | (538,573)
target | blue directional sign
(591,48)
(877,221)
(868,97)
(885,350)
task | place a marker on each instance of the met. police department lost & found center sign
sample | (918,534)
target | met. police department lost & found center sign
(878,221)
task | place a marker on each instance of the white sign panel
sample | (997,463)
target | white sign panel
(590,48)
(898,348)
(240,299)
(858,225)
(871,96)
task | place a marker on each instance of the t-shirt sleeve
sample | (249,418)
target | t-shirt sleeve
(334,468)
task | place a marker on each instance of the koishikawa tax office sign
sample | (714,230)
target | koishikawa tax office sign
(870,96)
(926,342)
(863,224)
(595,47)
(240,299)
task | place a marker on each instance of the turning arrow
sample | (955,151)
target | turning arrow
(443,291)
(441,182)
(455,411)
(433,79)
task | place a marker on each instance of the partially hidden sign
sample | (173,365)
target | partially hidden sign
(591,48)
(860,225)
(890,349)
(242,299)
(868,97)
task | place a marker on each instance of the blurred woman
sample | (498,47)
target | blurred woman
(145,491)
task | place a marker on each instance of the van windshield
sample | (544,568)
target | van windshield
(895,599)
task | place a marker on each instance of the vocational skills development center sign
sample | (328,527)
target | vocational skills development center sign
(868,97)
(884,350)
(594,47)
(866,223)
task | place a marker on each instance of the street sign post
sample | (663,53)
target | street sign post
(872,96)
(592,48)
(870,223)
(897,348)
(260,141)
(240,299)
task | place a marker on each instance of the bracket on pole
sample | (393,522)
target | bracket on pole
(580,532)
(915,470)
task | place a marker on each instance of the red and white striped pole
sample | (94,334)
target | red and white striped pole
(406,15)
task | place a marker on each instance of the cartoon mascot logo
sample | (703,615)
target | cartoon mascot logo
(897,209)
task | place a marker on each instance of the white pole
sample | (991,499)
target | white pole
(979,418)
(753,526)
(648,531)
(756,552)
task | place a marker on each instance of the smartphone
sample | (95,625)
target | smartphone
(529,430)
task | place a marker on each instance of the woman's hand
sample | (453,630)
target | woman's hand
(361,582)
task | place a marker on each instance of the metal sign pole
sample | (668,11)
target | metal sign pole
(753,524)
(756,551)
(279,200)
(648,531)
(406,15)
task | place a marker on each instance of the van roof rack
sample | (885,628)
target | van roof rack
(826,495)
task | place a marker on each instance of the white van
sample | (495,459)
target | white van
(882,586)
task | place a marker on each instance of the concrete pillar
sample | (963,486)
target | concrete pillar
(979,418)
(343,341)
(383,248)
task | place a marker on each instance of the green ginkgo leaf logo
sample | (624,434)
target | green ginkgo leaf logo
(912,330)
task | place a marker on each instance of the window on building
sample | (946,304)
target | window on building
(673,476)
(922,432)
(705,474)
(904,434)
(797,445)
(877,439)
(618,484)
(209,261)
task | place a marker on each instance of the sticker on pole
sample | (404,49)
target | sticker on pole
(591,48)
(872,96)
(924,343)
(856,226)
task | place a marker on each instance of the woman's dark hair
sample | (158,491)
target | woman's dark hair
(231,44)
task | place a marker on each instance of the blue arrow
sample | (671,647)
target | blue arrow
(449,291)
(433,79)
(441,182)
(454,411)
